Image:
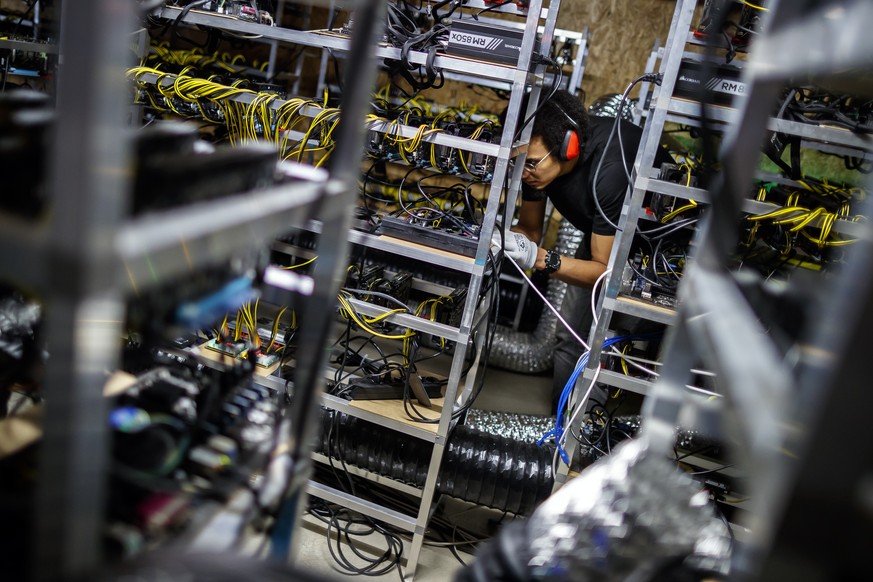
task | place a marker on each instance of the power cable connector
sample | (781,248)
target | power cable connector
(539,59)
(655,78)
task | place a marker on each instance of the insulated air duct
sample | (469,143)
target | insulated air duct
(531,353)
(490,470)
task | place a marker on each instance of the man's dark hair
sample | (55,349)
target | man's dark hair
(551,124)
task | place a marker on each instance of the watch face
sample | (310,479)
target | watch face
(553,261)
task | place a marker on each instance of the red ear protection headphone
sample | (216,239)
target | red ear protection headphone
(570,144)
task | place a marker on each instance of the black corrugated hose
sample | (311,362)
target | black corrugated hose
(493,471)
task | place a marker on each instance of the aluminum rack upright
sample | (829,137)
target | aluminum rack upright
(81,257)
(477,268)
(665,107)
(782,401)
(504,186)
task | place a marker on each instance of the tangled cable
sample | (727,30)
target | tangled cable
(298,127)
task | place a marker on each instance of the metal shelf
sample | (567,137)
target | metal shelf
(811,134)
(336,41)
(29,46)
(390,414)
(634,384)
(399,520)
(418,323)
(161,245)
(417,284)
(370,476)
(619,380)
(425,432)
(639,308)
(672,189)
(406,131)
(732,341)
(822,146)
(415,251)
(749,206)
(836,150)
(452,141)
(821,133)
(691,109)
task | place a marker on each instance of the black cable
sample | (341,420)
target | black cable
(336,72)
(667,229)
(23,17)
(438,526)
(375,294)
(369,367)
(494,6)
(602,434)
(439,214)
(861,165)
(325,512)
(400,191)
(184,12)
(375,566)
(647,77)
(558,79)
(146,6)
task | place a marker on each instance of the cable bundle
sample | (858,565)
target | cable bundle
(393,147)
(800,232)
(160,54)
(559,432)
(403,367)
(743,18)
(403,29)
(452,207)
(343,527)
(385,368)
(384,104)
(815,106)
(262,118)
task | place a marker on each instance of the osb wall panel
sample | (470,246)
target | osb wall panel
(622,33)
(15,7)
(621,36)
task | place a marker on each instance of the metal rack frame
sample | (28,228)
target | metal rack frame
(86,255)
(773,405)
(31,45)
(517,78)
(665,107)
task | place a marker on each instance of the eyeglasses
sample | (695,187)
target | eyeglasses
(532,165)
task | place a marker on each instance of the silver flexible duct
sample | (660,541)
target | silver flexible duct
(520,427)
(608,106)
(531,352)
(623,519)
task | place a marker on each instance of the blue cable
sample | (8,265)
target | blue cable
(558,431)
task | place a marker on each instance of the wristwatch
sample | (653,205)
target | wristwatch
(553,262)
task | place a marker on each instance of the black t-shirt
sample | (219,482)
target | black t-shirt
(573,193)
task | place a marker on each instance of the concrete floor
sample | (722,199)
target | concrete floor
(436,564)
(504,392)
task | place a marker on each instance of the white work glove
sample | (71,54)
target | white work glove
(519,248)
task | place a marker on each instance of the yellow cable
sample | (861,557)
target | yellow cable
(298,265)
(624,367)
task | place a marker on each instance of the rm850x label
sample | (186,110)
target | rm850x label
(479,41)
